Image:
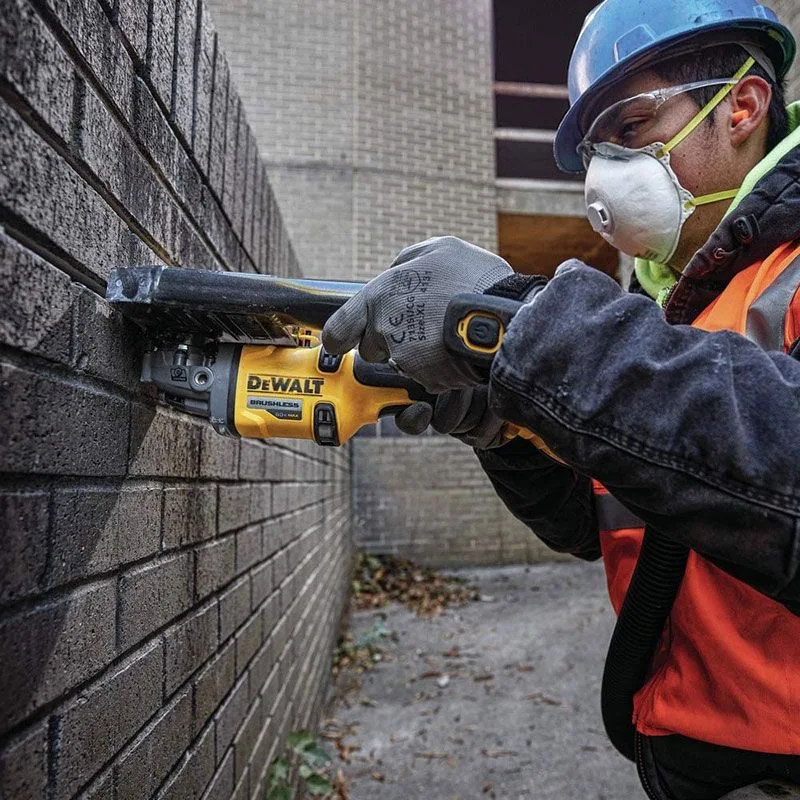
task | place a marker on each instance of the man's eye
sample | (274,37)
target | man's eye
(631,128)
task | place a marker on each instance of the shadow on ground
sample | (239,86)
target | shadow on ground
(496,699)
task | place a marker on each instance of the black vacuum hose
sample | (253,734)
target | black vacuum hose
(653,588)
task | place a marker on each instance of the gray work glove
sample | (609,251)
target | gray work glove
(463,413)
(399,315)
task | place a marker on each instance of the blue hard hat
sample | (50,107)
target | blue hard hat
(621,35)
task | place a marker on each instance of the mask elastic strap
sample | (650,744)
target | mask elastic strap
(717,197)
(698,119)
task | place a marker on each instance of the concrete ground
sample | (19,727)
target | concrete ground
(496,699)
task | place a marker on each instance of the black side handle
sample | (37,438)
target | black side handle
(475,324)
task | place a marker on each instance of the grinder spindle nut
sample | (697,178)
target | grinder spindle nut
(201,379)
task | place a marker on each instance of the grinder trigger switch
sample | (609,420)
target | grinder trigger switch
(326,430)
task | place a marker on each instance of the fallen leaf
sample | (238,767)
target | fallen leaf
(345,751)
(538,697)
(486,677)
(333,729)
(498,753)
(340,786)
(431,755)
(525,668)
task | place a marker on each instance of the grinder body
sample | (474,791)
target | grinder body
(269,392)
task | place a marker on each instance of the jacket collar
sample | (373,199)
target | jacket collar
(764,215)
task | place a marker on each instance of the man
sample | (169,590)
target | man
(687,417)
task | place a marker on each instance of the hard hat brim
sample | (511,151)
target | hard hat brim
(570,132)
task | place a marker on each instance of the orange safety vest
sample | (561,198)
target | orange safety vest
(727,669)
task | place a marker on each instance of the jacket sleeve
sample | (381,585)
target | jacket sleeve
(697,433)
(553,501)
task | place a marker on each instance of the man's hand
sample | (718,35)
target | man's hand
(465,414)
(400,314)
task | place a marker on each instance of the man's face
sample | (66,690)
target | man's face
(706,162)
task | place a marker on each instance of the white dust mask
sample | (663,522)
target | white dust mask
(635,201)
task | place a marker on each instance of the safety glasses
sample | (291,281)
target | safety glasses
(632,122)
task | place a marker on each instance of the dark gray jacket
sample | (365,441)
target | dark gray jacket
(696,433)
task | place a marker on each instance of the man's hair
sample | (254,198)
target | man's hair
(723,61)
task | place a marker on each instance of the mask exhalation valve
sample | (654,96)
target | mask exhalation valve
(600,218)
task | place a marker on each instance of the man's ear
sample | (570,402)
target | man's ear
(750,101)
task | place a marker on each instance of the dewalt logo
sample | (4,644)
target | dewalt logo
(284,384)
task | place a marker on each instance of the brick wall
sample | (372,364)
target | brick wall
(376,121)
(169,597)
(431,502)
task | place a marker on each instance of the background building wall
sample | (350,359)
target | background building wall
(789,13)
(169,598)
(376,121)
